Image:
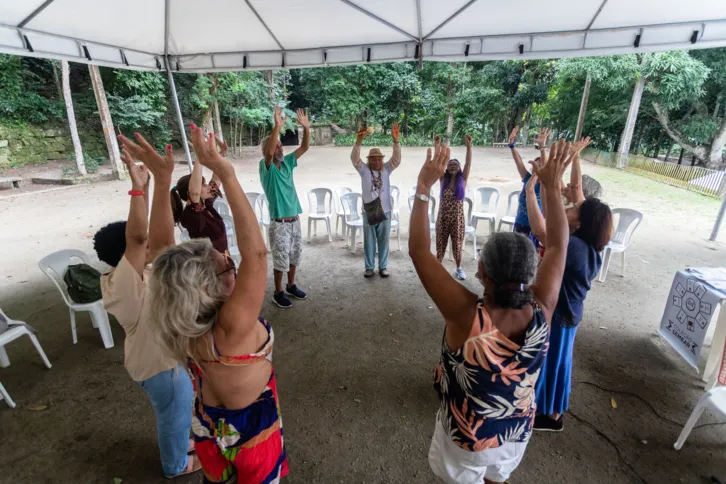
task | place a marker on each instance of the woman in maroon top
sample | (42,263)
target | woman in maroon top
(198,215)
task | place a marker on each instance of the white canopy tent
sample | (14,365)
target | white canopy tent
(219,35)
(233,35)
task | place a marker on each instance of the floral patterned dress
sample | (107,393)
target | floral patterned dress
(487,387)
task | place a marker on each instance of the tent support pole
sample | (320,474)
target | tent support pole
(179,119)
(719,219)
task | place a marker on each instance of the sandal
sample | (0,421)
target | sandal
(193,466)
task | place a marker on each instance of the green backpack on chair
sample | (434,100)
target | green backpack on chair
(83,283)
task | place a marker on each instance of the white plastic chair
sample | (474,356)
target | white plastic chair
(512,207)
(54,266)
(352,219)
(432,211)
(396,214)
(469,230)
(15,330)
(715,399)
(339,214)
(628,221)
(232,240)
(253,198)
(221,207)
(395,203)
(184,237)
(320,207)
(486,201)
(264,217)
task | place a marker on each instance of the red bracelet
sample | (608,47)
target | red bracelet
(136,193)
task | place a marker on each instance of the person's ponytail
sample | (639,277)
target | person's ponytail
(177,207)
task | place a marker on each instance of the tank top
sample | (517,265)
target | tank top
(487,387)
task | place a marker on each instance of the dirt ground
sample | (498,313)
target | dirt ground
(355,361)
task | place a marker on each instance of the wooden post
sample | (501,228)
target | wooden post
(583,109)
(627,136)
(270,78)
(218,120)
(114,155)
(65,74)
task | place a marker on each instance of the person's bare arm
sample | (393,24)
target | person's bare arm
(536,219)
(576,192)
(467,164)
(549,274)
(355,152)
(395,160)
(161,223)
(137,235)
(272,142)
(456,303)
(195,183)
(302,120)
(515,154)
(239,313)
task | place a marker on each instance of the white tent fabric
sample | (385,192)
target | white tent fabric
(219,35)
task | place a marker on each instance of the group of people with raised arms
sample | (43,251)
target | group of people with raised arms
(505,354)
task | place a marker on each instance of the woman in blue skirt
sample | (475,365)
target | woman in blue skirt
(591,226)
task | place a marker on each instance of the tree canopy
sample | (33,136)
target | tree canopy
(683,103)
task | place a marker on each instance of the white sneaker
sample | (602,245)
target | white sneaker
(460,274)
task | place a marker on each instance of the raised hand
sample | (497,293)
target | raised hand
(434,166)
(221,144)
(542,136)
(139,174)
(467,141)
(437,142)
(513,135)
(550,174)
(207,155)
(302,119)
(395,132)
(578,146)
(360,134)
(279,118)
(159,166)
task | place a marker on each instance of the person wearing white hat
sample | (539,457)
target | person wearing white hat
(376,192)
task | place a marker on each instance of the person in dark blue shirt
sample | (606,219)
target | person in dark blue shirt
(591,226)
(521,221)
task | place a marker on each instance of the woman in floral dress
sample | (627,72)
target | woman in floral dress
(493,346)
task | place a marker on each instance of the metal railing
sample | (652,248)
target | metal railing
(694,178)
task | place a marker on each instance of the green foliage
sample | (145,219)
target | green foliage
(24,96)
(675,78)
(380,139)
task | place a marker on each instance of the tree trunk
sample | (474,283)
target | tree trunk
(450,113)
(715,154)
(670,149)
(117,167)
(699,152)
(680,157)
(583,109)
(627,136)
(656,149)
(80,164)
(218,121)
(270,78)
(524,134)
(57,80)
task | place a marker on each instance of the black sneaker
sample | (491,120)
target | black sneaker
(547,424)
(281,300)
(295,292)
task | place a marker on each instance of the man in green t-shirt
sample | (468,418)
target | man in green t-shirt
(285,234)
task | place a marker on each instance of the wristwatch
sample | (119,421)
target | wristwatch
(422,197)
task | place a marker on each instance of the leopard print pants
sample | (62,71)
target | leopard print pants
(450,223)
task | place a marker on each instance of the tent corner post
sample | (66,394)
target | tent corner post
(179,118)
(719,219)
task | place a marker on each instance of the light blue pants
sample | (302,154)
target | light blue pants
(379,235)
(172,396)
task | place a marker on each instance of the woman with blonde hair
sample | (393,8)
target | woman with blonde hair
(494,344)
(203,315)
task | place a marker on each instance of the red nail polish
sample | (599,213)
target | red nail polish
(137,135)
(193,126)
(168,147)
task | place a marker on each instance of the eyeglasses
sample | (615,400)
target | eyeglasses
(230,266)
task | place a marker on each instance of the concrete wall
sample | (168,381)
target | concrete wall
(34,145)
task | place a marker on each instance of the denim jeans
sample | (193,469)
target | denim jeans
(172,396)
(379,235)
